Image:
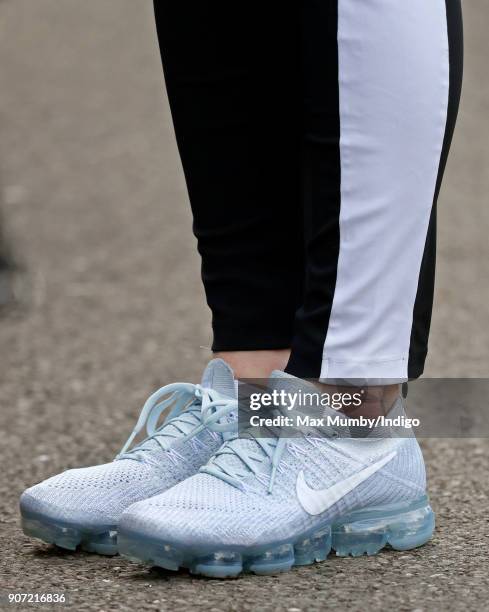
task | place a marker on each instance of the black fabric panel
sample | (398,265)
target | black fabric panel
(232,75)
(424,297)
(321,166)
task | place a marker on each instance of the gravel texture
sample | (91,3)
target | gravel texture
(95,204)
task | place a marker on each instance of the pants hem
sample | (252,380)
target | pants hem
(240,338)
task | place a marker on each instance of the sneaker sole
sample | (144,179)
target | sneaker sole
(70,536)
(401,527)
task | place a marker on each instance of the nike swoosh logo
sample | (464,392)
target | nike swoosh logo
(316,501)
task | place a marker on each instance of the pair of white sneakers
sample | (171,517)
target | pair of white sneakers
(193,494)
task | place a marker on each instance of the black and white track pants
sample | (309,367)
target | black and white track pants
(314,136)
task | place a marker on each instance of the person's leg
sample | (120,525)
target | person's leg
(231,75)
(382,85)
(373,140)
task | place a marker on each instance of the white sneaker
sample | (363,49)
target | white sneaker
(83,506)
(264,505)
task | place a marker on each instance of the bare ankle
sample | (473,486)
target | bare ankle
(376,400)
(255,364)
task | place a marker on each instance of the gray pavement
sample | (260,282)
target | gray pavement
(94,200)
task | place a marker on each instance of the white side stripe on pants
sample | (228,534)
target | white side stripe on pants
(394,87)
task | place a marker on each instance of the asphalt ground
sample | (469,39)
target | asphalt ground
(94,202)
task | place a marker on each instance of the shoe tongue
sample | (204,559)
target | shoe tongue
(291,384)
(220,377)
(281,381)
